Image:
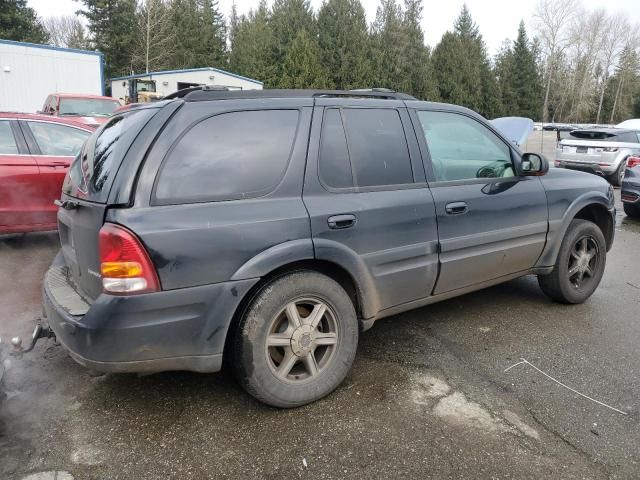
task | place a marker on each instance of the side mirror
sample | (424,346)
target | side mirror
(533,165)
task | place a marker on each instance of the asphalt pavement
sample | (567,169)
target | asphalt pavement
(428,396)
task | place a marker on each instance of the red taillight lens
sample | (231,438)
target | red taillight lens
(125,265)
(633,162)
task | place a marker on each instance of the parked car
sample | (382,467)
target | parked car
(35,153)
(630,192)
(272,227)
(92,110)
(602,151)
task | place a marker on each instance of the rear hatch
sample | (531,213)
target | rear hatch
(592,142)
(85,194)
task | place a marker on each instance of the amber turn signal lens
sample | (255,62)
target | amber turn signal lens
(120,269)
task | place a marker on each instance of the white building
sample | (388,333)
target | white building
(29,72)
(169,81)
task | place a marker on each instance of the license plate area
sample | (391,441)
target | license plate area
(582,150)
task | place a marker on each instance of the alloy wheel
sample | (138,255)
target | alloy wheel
(302,340)
(583,261)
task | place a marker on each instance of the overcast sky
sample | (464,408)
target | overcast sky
(498,19)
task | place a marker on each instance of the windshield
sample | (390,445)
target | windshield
(88,107)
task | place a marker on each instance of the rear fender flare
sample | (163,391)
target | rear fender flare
(348,259)
(275,257)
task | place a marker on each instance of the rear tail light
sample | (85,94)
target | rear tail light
(629,197)
(125,265)
(633,162)
(556,163)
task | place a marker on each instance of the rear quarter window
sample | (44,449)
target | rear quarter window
(93,170)
(229,156)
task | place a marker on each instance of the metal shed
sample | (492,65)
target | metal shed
(29,72)
(162,83)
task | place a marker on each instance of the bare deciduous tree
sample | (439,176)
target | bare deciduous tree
(615,36)
(551,21)
(66,31)
(155,37)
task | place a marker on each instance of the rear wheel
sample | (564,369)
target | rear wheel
(631,210)
(579,266)
(616,178)
(297,340)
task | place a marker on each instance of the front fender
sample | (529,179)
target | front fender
(558,225)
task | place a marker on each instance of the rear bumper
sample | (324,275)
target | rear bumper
(586,167)
(630,189)
(172,330)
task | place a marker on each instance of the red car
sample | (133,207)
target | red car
(35,154)
(92,110)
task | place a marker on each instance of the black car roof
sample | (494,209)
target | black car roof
(198,94)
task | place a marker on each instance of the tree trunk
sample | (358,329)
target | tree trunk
(605,80)
(615,100)
(545,106)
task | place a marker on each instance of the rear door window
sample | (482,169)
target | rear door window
(93,170)
(364,147)
(8,144)
(58,140)
(229,156)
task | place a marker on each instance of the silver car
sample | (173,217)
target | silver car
(603,151)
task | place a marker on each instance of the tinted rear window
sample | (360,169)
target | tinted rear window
(93,170)
(627,137)
(378,147)
(373,153)
(228,157)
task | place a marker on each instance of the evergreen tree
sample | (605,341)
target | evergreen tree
(253,46)
(288,18)
(389,45)
(418,78)
(504,69)
(213,35)
(20,23)
(200,34)
(303,66)
(527,84)
(112,27)
(462,69)
(344,41)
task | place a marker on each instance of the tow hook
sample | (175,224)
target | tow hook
(38,333)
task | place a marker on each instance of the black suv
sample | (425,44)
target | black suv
(271,227)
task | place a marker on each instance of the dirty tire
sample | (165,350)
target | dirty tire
(558,285)
(253,360)
(616,178)
(631,210)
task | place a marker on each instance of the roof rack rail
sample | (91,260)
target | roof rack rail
(197,94)
(185,91)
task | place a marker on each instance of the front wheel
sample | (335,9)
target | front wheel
(579,266)
(297,340)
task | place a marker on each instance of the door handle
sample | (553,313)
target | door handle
(456,208)
(338,222)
